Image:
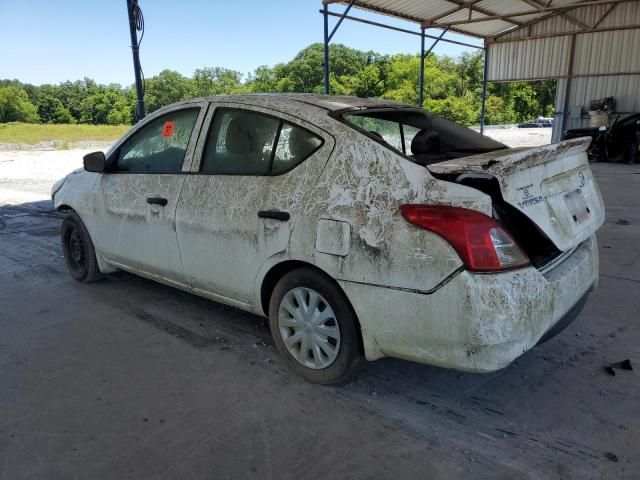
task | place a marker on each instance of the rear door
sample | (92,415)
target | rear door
(240,206)
(137,198)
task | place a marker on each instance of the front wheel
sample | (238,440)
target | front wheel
(79,252)
(314,327)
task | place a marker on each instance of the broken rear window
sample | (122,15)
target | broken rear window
(419,135)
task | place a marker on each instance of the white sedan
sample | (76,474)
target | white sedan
(362,228)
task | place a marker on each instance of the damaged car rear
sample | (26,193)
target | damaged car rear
(362,228)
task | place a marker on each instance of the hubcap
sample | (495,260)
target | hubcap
(76,250)
(309,328)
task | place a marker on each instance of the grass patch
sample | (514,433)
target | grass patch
(16,132)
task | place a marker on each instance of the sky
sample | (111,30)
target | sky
(54,41)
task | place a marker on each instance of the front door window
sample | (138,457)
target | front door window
(158,147)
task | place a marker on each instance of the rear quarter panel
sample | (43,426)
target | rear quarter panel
(363,184)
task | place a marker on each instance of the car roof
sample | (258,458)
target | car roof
(330,103)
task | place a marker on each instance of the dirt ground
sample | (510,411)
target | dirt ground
(127,378)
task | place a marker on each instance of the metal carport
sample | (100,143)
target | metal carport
(591,46)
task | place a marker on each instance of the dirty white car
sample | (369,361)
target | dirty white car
(361,228)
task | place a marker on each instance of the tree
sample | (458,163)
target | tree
(165,88)
(497,112)
(264,79)
(50,108)
(216,81)
(461,110)
(62,115)
(120,113)
(16,107)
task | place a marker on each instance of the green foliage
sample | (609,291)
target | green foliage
(15,106)
(216,81)
(165,88)
(496,111)
(457,109)
(453,88)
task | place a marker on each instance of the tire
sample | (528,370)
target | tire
(79,252)
(300,299)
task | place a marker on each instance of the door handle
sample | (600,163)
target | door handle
(157,201)
(275,214)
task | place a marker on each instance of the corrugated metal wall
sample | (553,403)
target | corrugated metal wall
(529,60)
(513,58)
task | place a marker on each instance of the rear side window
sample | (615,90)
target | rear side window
(398,127)
(294,145)
(386,130)
(159,146)
(409,133)
(243,142)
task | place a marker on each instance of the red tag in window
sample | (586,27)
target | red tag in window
(167,130)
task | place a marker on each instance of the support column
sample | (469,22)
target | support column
(421,80)
(567,90)
(485,74)
(325,66)
(132,10)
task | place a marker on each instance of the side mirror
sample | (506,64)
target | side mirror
(602,128)
(95,162)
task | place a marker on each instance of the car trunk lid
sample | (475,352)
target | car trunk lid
(552,185)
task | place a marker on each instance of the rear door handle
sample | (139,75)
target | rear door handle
(157,201)
(275,214)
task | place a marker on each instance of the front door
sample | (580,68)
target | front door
(138,195)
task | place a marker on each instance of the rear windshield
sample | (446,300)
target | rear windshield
(415,132)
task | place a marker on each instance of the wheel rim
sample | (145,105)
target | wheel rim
(308,328)
(75,249)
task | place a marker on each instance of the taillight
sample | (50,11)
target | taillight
(483,245)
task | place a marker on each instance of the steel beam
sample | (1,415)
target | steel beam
(423,56)
(500,39)
(508,17)
(404,30)
(342,17)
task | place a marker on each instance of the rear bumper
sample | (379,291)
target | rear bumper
(475,322)
(567,319)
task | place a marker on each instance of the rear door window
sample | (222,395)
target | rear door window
(244,142)
(160,146)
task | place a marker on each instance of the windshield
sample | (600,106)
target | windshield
(418,134)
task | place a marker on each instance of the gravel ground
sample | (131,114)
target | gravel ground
(520,137)
(27,175)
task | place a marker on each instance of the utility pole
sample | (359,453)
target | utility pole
(136,23)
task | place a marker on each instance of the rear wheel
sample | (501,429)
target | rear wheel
(79,252)
(314,327)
